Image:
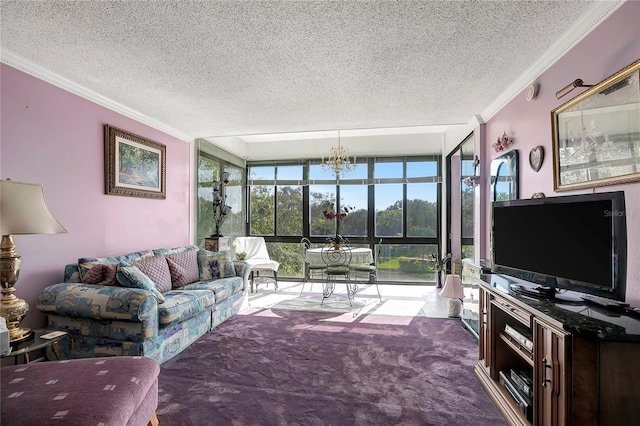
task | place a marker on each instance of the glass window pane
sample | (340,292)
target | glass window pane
(422,169)
(383,170)
(208,170)
(289,210)
(261,210)
(359,172)
(234,223)
(262,173)
(290,257)
(317,172)
(422,210)
(407,262)
(289,172)
(466,210)
(354,197)
(388,202)
(320,197)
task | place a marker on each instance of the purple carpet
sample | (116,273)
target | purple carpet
(308,368)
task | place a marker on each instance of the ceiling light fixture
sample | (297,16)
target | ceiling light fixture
(338,161)
(569,87)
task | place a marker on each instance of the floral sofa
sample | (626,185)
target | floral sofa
(152,303)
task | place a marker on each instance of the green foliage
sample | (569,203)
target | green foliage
(413,265)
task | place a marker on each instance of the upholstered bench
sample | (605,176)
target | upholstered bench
(93,391)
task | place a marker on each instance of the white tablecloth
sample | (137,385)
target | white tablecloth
(358,256)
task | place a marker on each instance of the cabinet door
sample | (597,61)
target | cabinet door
(551,382)
(484,328)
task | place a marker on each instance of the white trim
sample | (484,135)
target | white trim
(15,61)
(583,26)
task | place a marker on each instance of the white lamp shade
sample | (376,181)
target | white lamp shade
(23,210)
(453,287)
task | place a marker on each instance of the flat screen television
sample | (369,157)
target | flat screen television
(576,242)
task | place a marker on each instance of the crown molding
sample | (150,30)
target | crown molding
(19,63)
(583,26)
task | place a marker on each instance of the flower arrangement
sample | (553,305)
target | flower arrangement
(330,213)
(503,142)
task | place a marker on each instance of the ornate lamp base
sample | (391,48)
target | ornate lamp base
(11,308)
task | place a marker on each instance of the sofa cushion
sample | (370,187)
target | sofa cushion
(86,263)
(102,274)
(180,305)
(130,276)
(183,268)
(156,268)
(223,288)
(175,250)
(213,265)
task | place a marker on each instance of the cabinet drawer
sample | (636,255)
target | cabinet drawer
(515,311)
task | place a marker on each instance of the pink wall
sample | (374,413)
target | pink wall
(53,137)
(614,44)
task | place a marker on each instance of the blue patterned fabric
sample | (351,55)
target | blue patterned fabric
(222,288)
(86,263)
(105,320)
(72,273)
(168,251)
(217,264)
(182,304)
(132,277)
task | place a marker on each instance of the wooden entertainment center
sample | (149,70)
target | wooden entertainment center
(583,361)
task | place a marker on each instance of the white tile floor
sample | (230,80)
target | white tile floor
(397,300)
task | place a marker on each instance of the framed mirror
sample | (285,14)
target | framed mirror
(504,177)
(596,135)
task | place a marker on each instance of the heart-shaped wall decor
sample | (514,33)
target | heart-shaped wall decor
(535,157)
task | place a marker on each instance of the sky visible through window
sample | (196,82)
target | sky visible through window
(352,196)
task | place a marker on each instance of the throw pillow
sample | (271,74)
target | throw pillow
(156,268)
(183,268)
(130,276)
(86,263)
(217,264)
(101,274)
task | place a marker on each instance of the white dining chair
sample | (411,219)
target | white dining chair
(258,259)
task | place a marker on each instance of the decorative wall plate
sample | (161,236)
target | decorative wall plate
(536,156)
(538,195)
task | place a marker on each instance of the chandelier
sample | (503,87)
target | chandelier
(338,161)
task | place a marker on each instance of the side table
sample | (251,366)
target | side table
(36,342)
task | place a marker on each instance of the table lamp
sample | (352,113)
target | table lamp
(23,211)
(454,291)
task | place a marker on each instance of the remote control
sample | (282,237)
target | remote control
(633,311)
(604,302)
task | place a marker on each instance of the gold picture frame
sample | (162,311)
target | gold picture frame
(134,166)
(596,135)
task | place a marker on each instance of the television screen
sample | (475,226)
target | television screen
(573,242)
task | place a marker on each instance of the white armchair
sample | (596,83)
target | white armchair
(257,257)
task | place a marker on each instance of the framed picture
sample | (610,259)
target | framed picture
(134,166)
(596,135)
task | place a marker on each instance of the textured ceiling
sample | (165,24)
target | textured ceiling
(220,68)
